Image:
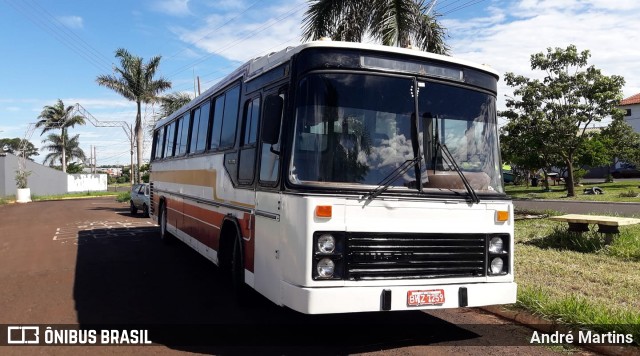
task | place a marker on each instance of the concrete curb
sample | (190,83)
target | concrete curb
(576,201)
(546,326)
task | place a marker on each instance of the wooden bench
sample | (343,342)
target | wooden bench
(607,225)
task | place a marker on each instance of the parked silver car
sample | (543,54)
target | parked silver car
(140,198)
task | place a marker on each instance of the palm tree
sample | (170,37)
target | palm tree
(172,102)
(71,149)
(58,116)
(392,22)
(168,104)
(135,81)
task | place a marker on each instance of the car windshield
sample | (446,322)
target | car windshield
(356,129)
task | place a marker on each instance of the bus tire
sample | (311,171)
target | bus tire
(165,236)
(240,288)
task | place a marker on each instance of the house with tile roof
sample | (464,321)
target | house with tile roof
(632,107)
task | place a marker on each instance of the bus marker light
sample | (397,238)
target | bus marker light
(323,211)
(502,215)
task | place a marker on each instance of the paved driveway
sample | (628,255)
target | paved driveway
(89,262)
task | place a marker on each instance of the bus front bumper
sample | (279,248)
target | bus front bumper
(327,300)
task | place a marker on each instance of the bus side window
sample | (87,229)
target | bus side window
(199,128)
(230,117)
(158,143)
(182,135)
(270,153)
(216,126)
(195,126)
(246,168)
(170,139)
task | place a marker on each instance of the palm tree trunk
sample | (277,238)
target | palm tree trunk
(64,153)
(139,141)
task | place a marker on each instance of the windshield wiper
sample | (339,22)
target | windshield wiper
(449,157)
(390,178)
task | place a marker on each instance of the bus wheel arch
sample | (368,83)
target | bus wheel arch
(231,257)
(165,235)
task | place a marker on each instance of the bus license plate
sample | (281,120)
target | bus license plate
(417,298)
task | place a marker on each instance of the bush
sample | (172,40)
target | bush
(124,197)
(629,194)
(578,174)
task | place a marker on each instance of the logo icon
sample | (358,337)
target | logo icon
(23,334)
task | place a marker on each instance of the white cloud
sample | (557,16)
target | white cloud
(73,22)
(506,40)
(173,7)
(228,4)
(250,33)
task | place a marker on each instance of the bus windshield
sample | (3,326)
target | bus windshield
(354,130)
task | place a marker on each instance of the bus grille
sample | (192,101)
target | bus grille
(409,256)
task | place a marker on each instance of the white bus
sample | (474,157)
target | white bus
(338,177)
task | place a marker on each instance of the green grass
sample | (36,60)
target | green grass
(621,191)
(124,197)
(576,280)
(579,311)
(70,196)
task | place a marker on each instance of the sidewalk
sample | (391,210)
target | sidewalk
(579,207)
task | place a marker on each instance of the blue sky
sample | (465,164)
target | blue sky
(56,48)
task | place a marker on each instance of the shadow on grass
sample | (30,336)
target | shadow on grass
(561,239)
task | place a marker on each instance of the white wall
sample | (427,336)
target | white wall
(86,182)
(634,119)
(45,180)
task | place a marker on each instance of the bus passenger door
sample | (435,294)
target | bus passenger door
(268,228)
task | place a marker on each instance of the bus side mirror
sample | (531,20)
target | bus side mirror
(271,119)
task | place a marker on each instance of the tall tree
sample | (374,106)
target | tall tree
(392,22)
(565,102)
(522,144)
(18,145)
(623,144)
(58,116)
(135,80)
(62,146)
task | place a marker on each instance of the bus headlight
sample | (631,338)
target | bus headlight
(328,255)
(497,265)
(325,268)
(496,245)
(326,244)
(498,254)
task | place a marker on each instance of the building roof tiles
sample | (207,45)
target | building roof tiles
(634,99)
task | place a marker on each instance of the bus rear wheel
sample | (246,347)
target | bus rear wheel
(165,235)
(240,288)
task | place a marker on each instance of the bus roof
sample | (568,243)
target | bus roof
(259,65)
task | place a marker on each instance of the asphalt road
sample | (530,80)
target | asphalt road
(579,207)
(89,263)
